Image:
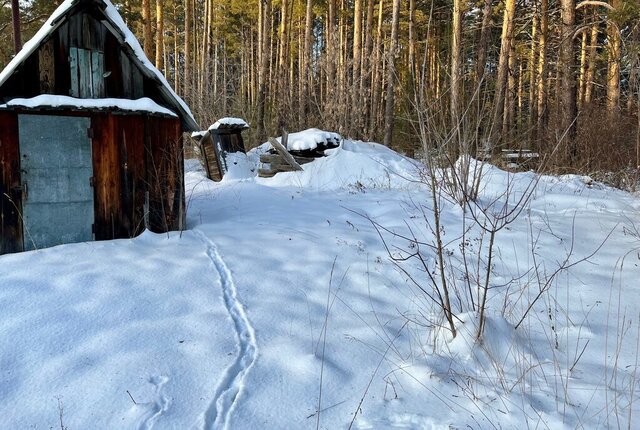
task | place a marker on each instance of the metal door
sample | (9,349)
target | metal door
(56,170)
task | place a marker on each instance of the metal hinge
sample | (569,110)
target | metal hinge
(92,181)
(90,133)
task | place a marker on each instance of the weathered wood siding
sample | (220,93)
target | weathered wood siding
(10,195)
(134,155)
(165,174)
(85,44)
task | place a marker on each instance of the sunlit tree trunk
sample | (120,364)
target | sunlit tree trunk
(503,72)
(265,49)
(583,68)
(146,28)
(533,76)
(543,66)
(375,82)
(456,70)
(391,75)
(159,35)
(614,49)
(307,73)
(591,65)
(367,65)
(188,48)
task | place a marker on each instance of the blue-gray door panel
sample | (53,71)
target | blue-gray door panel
(56,164)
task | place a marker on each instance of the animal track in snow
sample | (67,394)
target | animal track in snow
(232,381)
(153,410)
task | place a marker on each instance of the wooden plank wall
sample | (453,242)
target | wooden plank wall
(133,155)
(165,174)
(10,196)
(119,175)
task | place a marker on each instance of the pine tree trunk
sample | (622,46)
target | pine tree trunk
(307,76)
(159,35)
(391,76)
(146,28)
(412,42)
(283,65)
(533,77)
(591,66)
(264,65)
(331,50)
(188,42)
(568,107)
(583,69)
(543,67)
(367,67)
(503,73)
(356,102)
(485,31)
(176,55)
(456,73)
(15,15)
(509,97)
(613,62)
(375,82)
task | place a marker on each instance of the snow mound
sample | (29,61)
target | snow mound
(353,165)
(240,166)
(310,139)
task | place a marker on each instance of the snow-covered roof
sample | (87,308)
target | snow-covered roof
(229,123)
(117,26)
(144,104)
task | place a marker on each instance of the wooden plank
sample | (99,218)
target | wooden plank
(137,82)
(283,151)
(164,173)
(84,69)
(211,157)
(10,193)
(107,180)
(132,173)
(279,159)
(266,173)
(73,64)
(47,67)
(125,67)
(97,72)
(62,64)
(87,31)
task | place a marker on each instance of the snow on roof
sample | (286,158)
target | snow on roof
(310,139)
(118,23)
(227,123)
(144,104)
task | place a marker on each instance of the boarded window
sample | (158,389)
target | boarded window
(87,73)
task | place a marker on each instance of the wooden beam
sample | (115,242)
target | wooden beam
(287,156)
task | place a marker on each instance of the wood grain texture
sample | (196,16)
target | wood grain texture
(10,196)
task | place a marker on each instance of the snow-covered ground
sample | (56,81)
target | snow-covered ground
(279,308)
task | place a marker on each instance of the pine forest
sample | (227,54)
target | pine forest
(557,77)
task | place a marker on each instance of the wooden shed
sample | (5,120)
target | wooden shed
(90,135)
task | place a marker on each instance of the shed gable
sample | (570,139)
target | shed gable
(86,51)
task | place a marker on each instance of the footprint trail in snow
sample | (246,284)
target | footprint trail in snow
(232,381)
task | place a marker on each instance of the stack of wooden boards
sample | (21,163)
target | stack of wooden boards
(279,159)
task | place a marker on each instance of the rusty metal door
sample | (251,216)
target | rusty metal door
(56,170)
